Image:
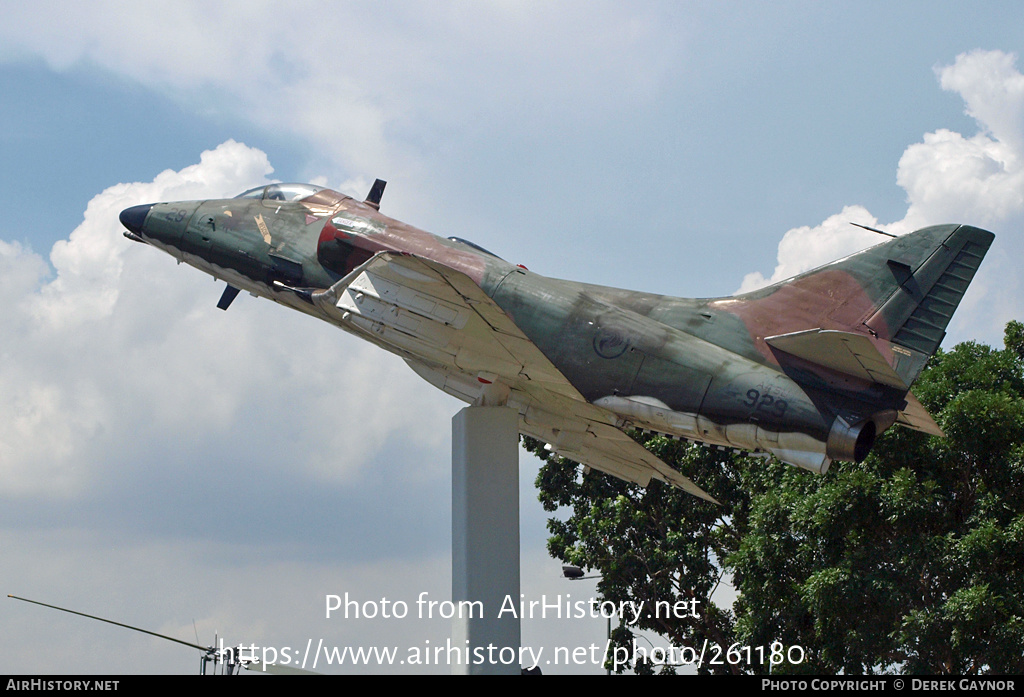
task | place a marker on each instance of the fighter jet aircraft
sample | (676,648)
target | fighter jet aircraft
(809,370)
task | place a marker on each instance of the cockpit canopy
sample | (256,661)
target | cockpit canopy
(281,192)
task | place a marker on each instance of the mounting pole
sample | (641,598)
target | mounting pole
(485,539)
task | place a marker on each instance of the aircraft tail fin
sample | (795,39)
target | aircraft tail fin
(925,295)
(898,296)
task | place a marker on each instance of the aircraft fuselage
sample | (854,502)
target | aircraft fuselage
(746,372)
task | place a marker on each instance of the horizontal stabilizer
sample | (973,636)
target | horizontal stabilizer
(844,352)
(915,416)
(855,355)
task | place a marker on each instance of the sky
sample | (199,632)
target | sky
(204,473)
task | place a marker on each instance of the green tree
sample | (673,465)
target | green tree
(911,561)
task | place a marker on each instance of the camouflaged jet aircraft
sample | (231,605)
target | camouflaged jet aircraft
(809,370)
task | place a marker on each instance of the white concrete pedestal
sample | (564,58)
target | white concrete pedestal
(485,539)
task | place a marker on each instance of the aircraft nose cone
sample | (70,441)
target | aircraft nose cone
(133,218)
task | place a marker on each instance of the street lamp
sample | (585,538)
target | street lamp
(575,573)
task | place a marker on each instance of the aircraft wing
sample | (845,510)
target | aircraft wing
(453,334)
(614,452)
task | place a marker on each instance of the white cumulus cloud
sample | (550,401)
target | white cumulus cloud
(366,87)
(949,178)
(121,352)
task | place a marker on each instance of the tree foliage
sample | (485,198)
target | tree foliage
(911,561)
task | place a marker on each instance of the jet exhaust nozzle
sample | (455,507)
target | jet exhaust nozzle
(851,442)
